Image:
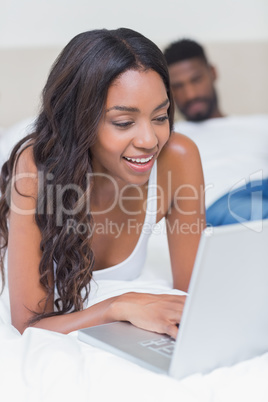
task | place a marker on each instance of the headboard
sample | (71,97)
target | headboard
(242,78)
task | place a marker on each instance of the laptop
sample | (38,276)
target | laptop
(225,317)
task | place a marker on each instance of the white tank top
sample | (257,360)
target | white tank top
(131,268)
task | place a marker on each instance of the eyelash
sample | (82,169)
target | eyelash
(123,125)
(161,119)
(126,124)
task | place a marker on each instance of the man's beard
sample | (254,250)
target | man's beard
(211,103)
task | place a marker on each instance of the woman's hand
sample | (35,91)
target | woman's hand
(154,312)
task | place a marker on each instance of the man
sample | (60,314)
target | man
(233,149)
(192,81)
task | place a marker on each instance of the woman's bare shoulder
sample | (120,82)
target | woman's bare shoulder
(180,151)
(25,173)
(25,160)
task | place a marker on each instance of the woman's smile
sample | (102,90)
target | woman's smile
(141,163)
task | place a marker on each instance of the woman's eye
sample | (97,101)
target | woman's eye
(161,119)
(122,124)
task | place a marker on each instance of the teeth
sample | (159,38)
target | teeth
(138,160)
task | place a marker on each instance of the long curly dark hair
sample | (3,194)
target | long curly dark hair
(73,102)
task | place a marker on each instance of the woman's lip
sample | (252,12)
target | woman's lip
(140,156)
(140,167)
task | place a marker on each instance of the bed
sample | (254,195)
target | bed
(42,365)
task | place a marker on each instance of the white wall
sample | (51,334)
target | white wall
(54,22)
(235,33)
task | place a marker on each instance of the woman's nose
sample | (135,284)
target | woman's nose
(145,137)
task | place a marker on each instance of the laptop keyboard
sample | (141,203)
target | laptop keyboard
(164,346)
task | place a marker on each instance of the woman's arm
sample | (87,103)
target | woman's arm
(185,219)
(158,313)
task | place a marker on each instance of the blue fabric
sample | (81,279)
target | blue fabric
(247,203)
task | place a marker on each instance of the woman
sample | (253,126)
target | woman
(101,156)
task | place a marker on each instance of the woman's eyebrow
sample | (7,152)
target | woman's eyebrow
(163,104)
(123,109)
(135,109)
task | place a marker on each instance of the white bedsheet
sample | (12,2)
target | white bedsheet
(42,365)
(233,150)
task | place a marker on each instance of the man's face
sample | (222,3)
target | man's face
(192,83)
